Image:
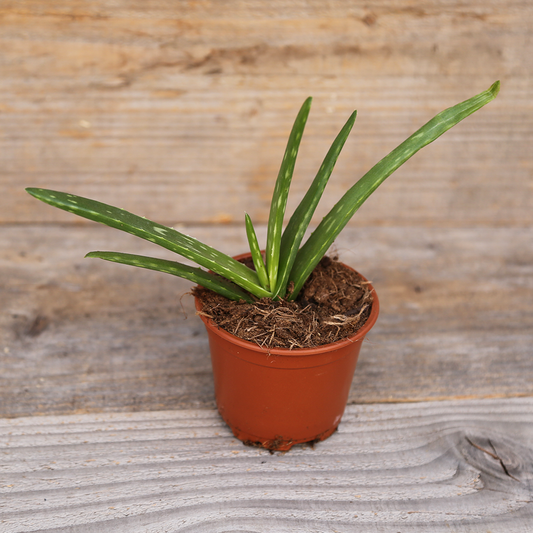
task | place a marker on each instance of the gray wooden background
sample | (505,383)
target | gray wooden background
(179,111)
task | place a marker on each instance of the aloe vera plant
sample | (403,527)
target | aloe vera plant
(287,264)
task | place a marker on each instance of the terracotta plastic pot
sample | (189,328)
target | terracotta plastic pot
(275,398)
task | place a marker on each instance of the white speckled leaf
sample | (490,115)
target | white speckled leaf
(194,274)
(164,236)
(334,222)
(255,250)
(299,221)
(281,192)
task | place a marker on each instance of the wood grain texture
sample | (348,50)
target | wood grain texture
(129,101)
(80,335)
(462,466)
(151,104)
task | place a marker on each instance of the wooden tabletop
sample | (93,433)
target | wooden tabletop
(180,112)
(437,466)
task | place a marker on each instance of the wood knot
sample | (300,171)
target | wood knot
(499,458)
(39,324)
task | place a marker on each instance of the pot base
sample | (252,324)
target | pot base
(279,443)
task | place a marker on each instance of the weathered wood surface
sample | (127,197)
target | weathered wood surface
(80,335)
(161,101)
(462,466)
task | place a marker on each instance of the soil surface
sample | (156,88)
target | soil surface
(334,303)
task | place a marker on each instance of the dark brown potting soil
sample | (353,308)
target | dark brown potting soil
(334,303)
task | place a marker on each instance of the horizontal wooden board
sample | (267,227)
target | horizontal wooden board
(152,105)
(82,335)
(462,466)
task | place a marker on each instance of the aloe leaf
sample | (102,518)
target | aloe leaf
(194,274)
(332,224)
(161,235)
(256,252)
(281,192)
(295,230)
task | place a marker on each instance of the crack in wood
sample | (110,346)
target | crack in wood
(493,455)
(501,462)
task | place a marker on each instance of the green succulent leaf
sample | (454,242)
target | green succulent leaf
(281,192)
(164,236)
(194,274)
(256,253)
(299,222)
(285,263)
(333,223)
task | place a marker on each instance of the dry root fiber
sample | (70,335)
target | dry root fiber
(334,303)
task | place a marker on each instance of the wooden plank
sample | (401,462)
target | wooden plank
(129,101)
(80,335)
(462,466)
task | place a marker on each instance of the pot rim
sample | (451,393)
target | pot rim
(296,352)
